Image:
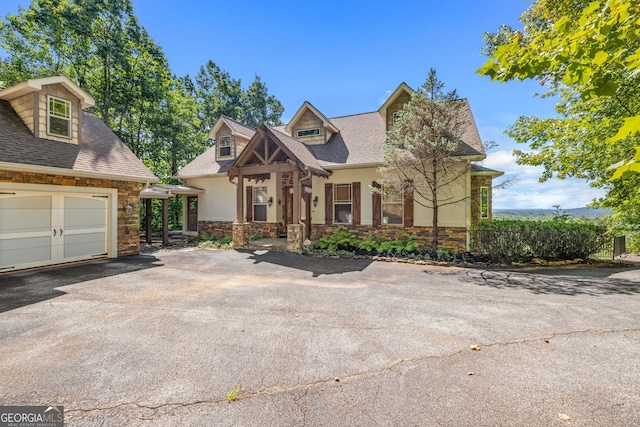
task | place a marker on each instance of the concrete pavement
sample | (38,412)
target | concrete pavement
(163,339)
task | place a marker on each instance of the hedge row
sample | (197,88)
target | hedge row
(521,241)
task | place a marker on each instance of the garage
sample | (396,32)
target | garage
(46,227)
(69,187)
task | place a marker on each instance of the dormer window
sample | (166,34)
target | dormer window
(59,123)
(308,132)
(224,146)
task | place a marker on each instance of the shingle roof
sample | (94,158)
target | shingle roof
(479,169)
(298,149)
(205,164)
(240,128)
(100,151)
(359,142)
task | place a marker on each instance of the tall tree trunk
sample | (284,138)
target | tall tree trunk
(434,194)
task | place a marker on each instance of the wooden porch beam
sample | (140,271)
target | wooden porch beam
(262,169)
(165,221)
(273,155)
(240,199)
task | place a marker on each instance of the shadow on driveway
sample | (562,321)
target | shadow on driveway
(561,281)
(29,287)
(315,265)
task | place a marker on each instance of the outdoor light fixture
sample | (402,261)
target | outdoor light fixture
(128,208)
(315,202)
(279,202)
(270,201)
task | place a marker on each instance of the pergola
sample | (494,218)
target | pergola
(163,192)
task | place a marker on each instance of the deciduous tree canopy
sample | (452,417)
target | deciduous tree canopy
(585,53)
(163,119)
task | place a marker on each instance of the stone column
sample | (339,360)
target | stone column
(241,233)
(295,237)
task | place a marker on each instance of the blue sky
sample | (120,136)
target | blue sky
(346,57)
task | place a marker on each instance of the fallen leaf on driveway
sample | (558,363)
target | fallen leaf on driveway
(475,347)
(470,373)
(546,340)
(564,417)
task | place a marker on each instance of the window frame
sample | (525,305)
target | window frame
(384,202)
(52,115)
(484,202)
(337,202)
(228,145)
(257,202)
(316,132)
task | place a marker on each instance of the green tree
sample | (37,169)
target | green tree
(585,53)
(259,107)
(420,152)
(219,94)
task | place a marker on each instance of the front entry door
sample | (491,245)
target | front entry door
(305,210)
(192,213)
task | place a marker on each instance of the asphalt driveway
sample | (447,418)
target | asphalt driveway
(163,339)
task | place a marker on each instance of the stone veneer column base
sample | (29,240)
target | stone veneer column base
(241,233)
(295,237)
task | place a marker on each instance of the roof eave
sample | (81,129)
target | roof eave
(35,85)
(21,167)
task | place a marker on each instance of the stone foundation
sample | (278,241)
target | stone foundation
(451,238)
(220,229)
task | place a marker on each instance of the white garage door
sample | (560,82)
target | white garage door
(48,228)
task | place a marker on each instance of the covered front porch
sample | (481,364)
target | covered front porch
(163,192)
(274,156)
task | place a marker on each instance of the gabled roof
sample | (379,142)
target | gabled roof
(270,147)
(34,85)
(402,88)
(205,165)
(236,127)
(307,106)
(100,153)
(358,142)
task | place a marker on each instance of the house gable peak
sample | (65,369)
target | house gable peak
(35,85)
(394,103)
(310,126)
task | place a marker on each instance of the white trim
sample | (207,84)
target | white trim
(50,114)
(35,85)
(19,167)
(219,146)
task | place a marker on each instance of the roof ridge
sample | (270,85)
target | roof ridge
(238,122)
(353,115)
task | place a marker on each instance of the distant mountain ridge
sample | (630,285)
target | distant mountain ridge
(540,213)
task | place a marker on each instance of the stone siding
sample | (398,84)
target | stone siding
(450,238)
(218,229)
(128,193)
(222,229)
(478,181)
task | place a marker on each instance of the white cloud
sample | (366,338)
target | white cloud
(529,193)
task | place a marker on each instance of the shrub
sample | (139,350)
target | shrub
(341,239)
(518,240)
